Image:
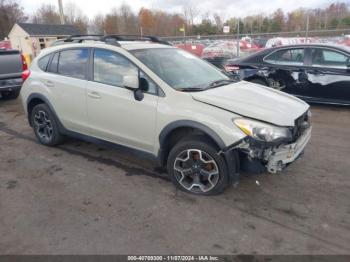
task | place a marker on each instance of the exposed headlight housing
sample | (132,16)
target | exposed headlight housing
(262,131)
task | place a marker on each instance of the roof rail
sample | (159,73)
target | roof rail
(114,39)
(154,39)
(81,38)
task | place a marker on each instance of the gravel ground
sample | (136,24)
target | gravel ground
(83,198)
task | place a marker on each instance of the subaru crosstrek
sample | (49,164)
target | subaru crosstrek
(201,125)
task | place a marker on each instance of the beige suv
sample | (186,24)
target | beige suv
(146,95)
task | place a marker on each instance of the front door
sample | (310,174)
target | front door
(114,113)
(329,76)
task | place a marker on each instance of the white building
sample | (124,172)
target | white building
(31,38)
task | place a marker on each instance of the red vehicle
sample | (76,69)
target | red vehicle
(196,49)
(5,44)
(345,41)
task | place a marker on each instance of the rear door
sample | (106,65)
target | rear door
(287,67)
(66,83)
(329,75)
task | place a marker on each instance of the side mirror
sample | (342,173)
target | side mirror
(138,95)
(131,82)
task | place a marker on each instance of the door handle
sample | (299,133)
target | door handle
(94,95)
(49,84)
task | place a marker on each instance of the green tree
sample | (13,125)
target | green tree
(277,22)
(334,23)
(265,25)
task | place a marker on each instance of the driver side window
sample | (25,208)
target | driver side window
(329,58)
(110,67)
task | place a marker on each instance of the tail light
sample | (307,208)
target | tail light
(25,75)
(24,63)
(231,68)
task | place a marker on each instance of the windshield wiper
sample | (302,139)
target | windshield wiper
(214,84)
(190,89)
(221,82)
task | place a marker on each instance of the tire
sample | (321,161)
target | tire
(258,81)
(10,94)
(45,126)
(205,165)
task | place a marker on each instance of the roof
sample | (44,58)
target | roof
(134,45)
(49,30)
(128,46)
(308,45)
(251,58)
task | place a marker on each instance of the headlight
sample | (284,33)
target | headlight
(262,131)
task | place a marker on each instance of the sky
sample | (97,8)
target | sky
(225,8)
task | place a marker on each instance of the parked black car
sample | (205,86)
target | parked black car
(313,72)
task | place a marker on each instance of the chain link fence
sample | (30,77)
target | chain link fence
(311,33)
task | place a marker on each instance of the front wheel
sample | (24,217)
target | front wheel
(195,167)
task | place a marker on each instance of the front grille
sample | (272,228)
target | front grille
(301,123)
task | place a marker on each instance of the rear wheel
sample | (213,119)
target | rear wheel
(195,167)
(45,126)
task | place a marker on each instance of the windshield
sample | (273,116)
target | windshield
(180,69)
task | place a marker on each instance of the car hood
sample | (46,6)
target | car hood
(255,101)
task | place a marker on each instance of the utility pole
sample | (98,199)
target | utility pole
(60,6)
(307,27)
(238,38)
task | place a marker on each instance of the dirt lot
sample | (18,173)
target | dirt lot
(83,198)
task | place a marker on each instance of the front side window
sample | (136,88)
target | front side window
(110,67)
(152,86)
(179,69)
(73,63)
(286,57)
(329,58)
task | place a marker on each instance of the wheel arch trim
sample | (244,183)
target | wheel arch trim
(168,129)
(33,96)
(190,124)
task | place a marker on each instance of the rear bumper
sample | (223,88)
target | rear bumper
(10,88)
(281,157)
(9,85)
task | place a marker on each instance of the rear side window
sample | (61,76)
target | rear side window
(73,63)
(329,58)
(54,64)
(42,63)
(287,57)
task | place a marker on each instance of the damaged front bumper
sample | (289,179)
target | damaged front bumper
(279,158)
(260,157)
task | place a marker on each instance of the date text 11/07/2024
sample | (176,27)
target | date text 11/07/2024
(173,258)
